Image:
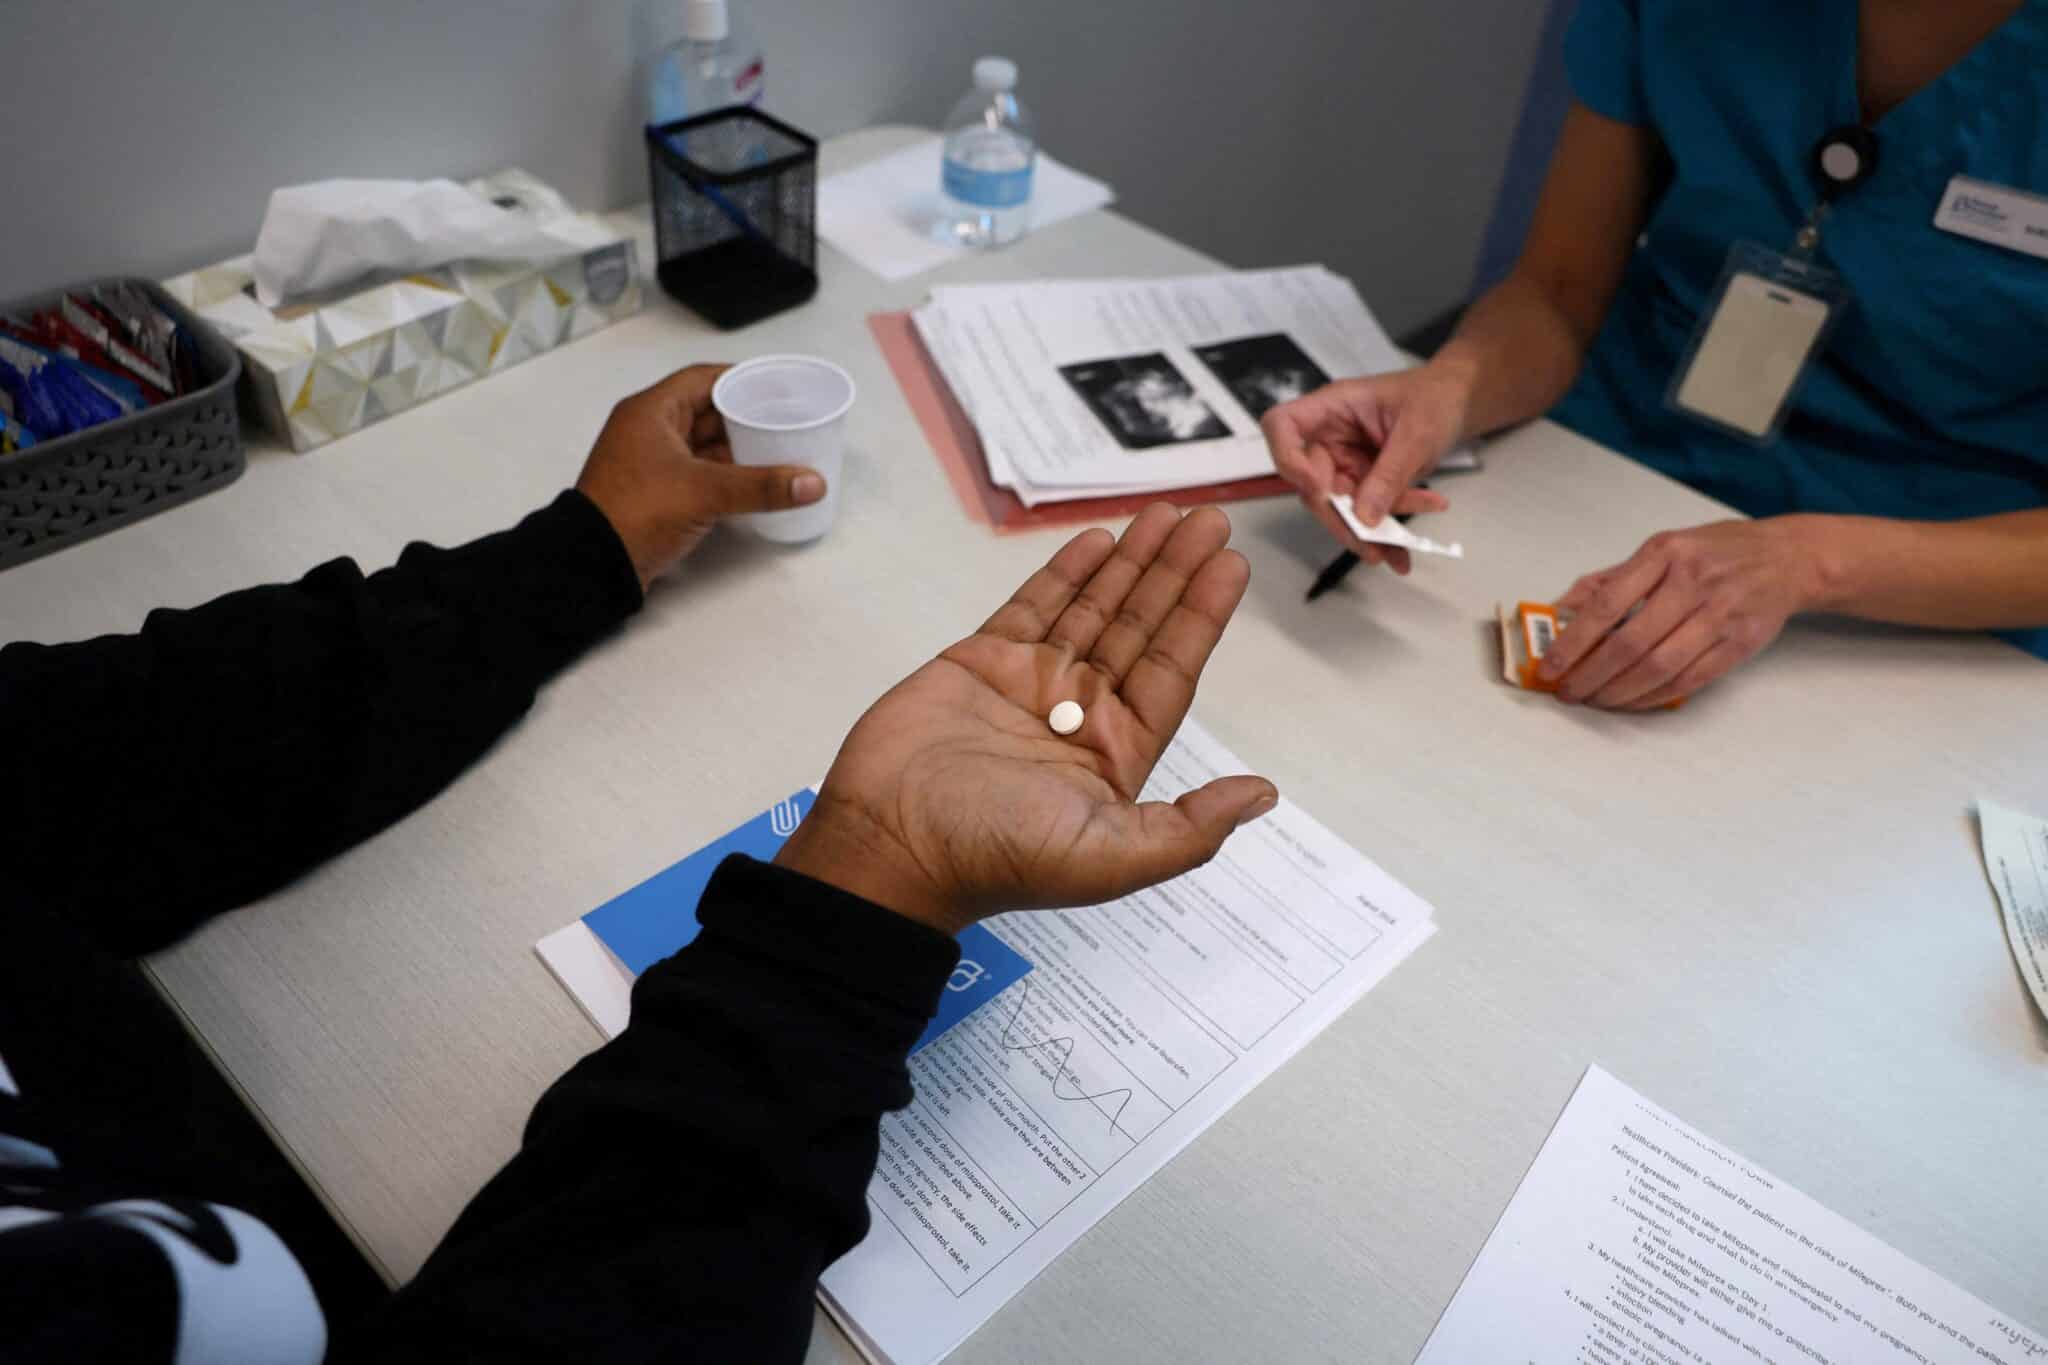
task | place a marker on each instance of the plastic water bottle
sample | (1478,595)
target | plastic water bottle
(990,152)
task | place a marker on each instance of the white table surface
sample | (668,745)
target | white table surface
(1767,911)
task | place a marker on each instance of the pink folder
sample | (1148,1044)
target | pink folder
(954,441)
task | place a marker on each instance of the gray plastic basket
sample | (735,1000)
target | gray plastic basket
(59,492)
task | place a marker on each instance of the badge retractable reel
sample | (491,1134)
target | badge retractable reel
(1771,310)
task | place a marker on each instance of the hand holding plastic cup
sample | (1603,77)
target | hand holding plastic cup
(788,409)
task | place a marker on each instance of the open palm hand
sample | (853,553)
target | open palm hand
(952,798)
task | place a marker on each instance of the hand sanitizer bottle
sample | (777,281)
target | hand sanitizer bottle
(715,66)
(990,152)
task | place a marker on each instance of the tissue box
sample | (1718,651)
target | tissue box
(323,368)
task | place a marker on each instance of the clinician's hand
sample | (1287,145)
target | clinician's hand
(662,473)
(1373,438)
(953,799)
(1682,611)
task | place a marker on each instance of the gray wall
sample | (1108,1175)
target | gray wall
(1371,136)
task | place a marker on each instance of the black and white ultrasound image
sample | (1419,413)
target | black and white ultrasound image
(1263,372)
(1144,401)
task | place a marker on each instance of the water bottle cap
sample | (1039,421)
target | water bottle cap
(706,21)
(995,73)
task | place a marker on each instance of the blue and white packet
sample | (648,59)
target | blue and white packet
(658,918)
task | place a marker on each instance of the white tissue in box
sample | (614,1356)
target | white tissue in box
(323,369)
(332,234)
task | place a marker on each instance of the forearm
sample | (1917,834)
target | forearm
(1988,573)
(1520,346)
(227,749)
(1515,353)
(680,1191)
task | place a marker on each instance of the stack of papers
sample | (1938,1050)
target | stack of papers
(1106,388)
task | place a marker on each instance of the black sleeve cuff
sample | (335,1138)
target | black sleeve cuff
(831,937)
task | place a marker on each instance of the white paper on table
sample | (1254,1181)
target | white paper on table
(595,979)
(935,329)
(2016,858)
(1140,1024)
(1093,387)
(885,213)
(1390,532)
(1636,1237)
(1016,345)
(936,333)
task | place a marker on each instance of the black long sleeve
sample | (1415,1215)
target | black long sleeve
(159,778)
(680,1190)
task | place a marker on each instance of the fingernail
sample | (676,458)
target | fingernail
(1263,806)
(806,488)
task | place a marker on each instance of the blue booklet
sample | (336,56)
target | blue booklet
(658,917)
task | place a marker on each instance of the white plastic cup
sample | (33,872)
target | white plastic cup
(788,409)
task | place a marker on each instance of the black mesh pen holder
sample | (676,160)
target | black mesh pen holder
(735,214)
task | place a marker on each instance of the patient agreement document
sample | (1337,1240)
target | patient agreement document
(2016,859)
(1139,1023)
(1635,1238)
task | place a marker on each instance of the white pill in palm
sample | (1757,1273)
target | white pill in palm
(1065,718)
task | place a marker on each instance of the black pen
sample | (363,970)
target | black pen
(1334,572)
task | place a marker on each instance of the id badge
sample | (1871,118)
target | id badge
(1770,314)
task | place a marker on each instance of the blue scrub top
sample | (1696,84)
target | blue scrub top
(1930,401)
